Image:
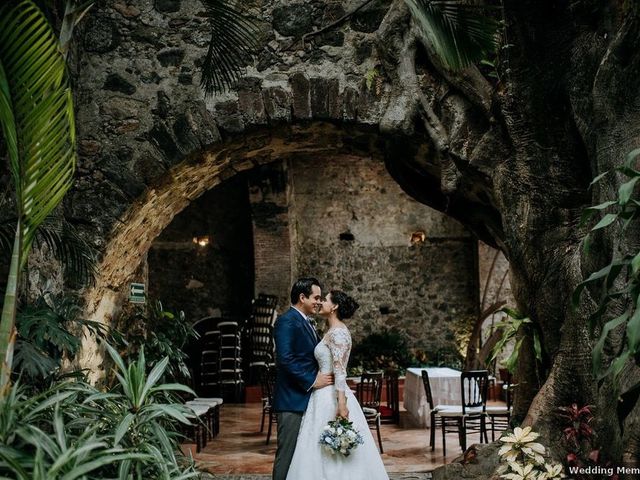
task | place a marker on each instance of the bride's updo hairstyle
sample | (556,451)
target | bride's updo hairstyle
(347,306)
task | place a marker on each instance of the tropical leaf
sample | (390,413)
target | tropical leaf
(598,178)
(7,232)
(77,257)
(626,190)
(47,331)
(68,432)
(459,33)
(46,328)
(596,356)
(36,114)
(39,113)
(32,362)
(233,42)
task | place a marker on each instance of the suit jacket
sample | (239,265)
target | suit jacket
(296,366)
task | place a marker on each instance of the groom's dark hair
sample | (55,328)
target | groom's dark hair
(303,285)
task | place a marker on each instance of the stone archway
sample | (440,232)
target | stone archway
(152,211)
(150,143)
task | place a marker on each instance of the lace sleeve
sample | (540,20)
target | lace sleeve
(339,343)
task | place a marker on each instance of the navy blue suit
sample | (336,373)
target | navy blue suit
(296,366)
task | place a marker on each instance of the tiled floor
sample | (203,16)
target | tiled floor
(240,448)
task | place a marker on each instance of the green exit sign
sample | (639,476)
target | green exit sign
(137,293)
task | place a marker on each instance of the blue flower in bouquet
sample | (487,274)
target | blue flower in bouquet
(339,436)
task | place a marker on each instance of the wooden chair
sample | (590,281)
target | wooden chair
(267,381)
(390,413)
(369,392)
(230,372)
(261,351)
(470,416)
(500,415)
(474,386)
(435,411)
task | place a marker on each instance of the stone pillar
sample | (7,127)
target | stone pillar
(269,199)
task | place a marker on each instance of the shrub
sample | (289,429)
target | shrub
(384,350)
(74,431)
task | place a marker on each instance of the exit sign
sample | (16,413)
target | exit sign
(137,293)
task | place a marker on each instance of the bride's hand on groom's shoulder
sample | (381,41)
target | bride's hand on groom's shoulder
(323,380)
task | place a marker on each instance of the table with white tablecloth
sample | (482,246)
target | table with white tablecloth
(445,388)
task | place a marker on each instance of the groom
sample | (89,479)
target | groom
(296,367)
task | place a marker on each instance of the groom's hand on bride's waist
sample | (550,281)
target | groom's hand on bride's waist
(323,380)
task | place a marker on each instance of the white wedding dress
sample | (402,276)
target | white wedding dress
(310,461)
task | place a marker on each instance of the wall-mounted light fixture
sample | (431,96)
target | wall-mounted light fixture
(201,241)
(418,237)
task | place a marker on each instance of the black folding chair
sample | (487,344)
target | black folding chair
(369,392)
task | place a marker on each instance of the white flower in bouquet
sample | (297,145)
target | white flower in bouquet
(339,436)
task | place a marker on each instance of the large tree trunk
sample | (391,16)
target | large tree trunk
(517,174)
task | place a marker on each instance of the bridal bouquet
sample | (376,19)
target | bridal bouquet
(339,436)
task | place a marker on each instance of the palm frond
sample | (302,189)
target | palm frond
(77,257)
(36,112)
(233,42)
(7,231)
(459,33)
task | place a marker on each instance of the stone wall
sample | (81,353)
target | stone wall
(354,226)
(346,222)
(273,259)
(145,126)
(151,143)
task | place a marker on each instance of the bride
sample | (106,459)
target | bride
(310,461)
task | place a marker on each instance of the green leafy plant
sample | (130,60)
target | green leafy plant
(383,350)
(619,281)
(74,431)
(460,33)
(163,334)
(514,324)
(140,409)
(374,80)
(75,255)
(37,442)
(36,114)
(447,357)
(48,331)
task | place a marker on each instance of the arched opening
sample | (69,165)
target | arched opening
(202,263)
(319,201)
